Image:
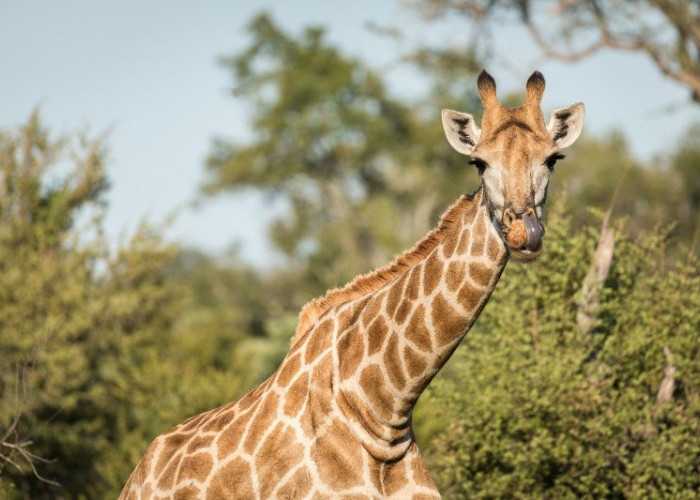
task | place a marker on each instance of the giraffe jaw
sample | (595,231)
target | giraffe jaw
(523,255)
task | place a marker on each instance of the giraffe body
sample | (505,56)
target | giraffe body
(334,420)
(325,424)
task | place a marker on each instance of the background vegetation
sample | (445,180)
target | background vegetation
(580,378)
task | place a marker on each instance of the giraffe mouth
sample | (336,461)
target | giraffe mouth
(523,236)
(524,255)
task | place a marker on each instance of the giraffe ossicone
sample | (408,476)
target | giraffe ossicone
(334,420)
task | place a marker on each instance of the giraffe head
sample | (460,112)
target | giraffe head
(515,152)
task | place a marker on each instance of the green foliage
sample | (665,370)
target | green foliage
(601,170)
(102,351)
(343,153)
(572,31)
(79,327)
(536,408)
(684,166)
(232,331)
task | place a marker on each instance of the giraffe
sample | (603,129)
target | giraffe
(334,420)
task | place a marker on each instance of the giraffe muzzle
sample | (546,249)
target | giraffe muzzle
(523,232)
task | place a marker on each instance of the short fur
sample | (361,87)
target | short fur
(378,278)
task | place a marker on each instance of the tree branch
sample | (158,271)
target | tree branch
(595,278)
(17,445)
(668,383)
(677,58)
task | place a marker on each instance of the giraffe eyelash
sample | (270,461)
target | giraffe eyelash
(479,164)
(552,159)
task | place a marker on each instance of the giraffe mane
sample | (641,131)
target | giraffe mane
(374,280)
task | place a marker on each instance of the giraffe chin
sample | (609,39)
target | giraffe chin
(524,255)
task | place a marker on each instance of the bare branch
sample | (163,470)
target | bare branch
(595,278)
(30,458)
(609,40)
(568,57)
(672,43)
(563,5)
(668,384)
(16,444)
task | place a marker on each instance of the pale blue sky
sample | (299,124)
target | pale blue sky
(147,71)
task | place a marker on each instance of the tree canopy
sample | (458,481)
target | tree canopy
(339,149)
(666,31)
(536,406)
(79,325)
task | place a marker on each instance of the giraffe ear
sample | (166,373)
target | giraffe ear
(461,131)
(565,124)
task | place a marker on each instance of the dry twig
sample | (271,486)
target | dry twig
(15,448)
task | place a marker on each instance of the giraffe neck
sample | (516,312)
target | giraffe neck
(391,343)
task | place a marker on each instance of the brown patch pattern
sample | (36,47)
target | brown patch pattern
(469,296)
(336,456)
(432,272)
(289,368)
(296,486)
(196,467)
(392,362)
(376,335)
(402,312)
(395,477)
(415,363)
(493,248)
(372,383)
(319,341)
(448,322)
(230,438)
(456,272)
(351,351)
(417,331)
(464,240)
(279,453)
(232,481)
(478,243)
(480,273)
(264,417)
(186,493)
(296,396)
(365,285)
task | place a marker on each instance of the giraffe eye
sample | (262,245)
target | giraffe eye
(552,159)
(479,164)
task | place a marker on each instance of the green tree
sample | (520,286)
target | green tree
(539,408)
(600,170)
(232,330)
(668,32)
(81,327)
(684,164)
(361,173)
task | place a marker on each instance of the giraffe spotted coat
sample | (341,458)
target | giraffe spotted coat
(334,420)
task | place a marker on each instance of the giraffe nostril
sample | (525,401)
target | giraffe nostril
(508,217)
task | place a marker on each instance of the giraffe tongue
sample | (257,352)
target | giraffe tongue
(533,231)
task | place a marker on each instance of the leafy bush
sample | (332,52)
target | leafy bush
(103,350)
(539,408)
(81,328)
